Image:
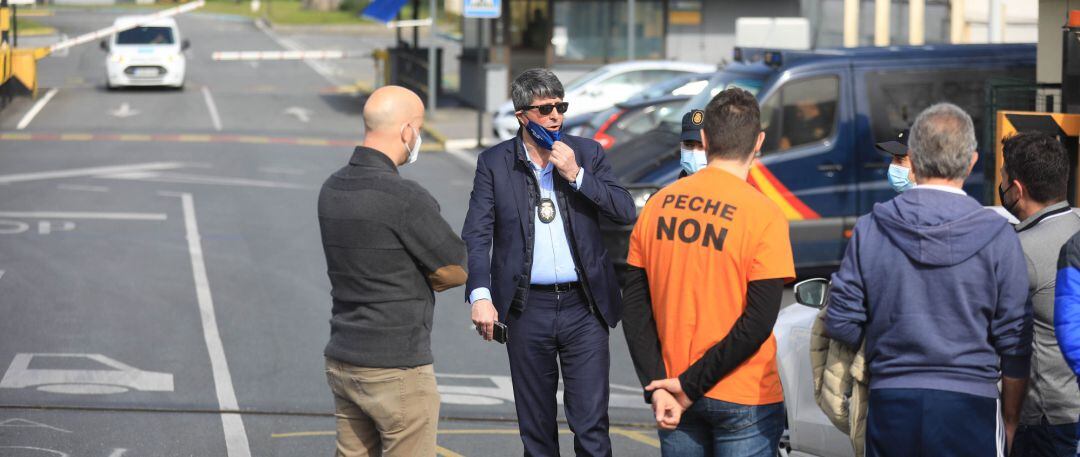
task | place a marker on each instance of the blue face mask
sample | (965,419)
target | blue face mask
(898,178)
(543,137)
(692,160)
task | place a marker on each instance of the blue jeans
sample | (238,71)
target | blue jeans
(717,428)
(1045,440)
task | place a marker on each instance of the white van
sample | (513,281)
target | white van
(150,54)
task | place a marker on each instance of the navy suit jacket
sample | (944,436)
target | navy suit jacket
(501,210)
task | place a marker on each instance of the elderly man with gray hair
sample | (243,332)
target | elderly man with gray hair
(936,287)
(541,280)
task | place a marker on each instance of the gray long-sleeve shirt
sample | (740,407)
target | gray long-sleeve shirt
(1052,389)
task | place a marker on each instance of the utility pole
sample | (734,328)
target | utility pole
(631,29)
(851,23)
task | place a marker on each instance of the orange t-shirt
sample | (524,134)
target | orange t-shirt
(701,240)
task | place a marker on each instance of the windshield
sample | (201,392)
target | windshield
(722,80)
(146,35)
(583,79)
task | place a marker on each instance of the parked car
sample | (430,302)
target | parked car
(822,112)
(604,87)
(632,119)
(149,54)
(687,85)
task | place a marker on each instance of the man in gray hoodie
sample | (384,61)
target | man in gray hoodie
(937,286)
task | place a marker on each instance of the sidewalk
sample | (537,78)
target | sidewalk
(451,126)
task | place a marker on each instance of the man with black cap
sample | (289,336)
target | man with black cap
(901,176)
(691,150)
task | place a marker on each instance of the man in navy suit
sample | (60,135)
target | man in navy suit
(539,197)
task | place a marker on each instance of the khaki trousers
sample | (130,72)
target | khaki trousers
(384,411)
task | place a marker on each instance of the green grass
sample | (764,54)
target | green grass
(292,12)
(27,27)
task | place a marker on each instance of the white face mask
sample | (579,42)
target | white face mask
(692,160)
(414,151)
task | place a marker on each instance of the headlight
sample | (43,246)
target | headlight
(117,58)
(641,196)
(172,58)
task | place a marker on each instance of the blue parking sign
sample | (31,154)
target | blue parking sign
(483,8)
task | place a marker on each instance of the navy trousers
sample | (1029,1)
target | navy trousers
(557,330)
(1045,440)
(924,422)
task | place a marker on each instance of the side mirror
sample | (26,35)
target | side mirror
(812,292)
(104,45)
(184,45)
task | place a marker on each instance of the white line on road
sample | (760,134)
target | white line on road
(81,188)
(212,108)
(90,171)
(319,67)
(236,440)
(465,157)
(83,215)
(36,109)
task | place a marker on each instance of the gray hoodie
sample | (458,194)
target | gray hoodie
(937,285)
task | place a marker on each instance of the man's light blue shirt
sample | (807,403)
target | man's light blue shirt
(553,262)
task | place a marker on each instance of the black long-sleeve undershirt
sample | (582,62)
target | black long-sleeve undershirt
(750,331)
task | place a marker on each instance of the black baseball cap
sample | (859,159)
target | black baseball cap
(897,147)
(691,125)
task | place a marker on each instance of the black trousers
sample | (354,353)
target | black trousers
(557,330)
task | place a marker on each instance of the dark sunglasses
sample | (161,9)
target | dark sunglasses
(546,109)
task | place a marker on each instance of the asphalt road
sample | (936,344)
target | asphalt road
(158,266)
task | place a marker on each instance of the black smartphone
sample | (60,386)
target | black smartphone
(499,333)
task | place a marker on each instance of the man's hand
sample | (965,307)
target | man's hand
(674,387)
(564,160)
(667,410)
(484,317)
(1013,391)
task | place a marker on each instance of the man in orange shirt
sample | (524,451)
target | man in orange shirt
(708,259)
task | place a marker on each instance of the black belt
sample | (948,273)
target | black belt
(557,288)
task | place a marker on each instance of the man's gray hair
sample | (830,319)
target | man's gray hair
(942,142)
(534,83)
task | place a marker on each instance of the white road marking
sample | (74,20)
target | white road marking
(210,106)
(17,422)
(184,178)
(83,215)
(465,157)
(47,227)
(117,378)
(50,451)
(81,188)
(118,452)
(90,171)
(29,117)
(283,170)
(319,67)
(124,111)
(236,440)
(301,114)
(1,274)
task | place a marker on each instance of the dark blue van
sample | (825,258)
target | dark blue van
(822,112)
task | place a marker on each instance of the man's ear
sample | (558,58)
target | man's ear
(974,159)
(760,141)
(704,141)
(520,116)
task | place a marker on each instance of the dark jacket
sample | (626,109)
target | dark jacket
(504,196)
(386,248)
(938,286)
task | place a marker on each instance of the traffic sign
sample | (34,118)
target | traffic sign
(487,9)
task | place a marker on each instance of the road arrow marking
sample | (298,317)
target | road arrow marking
(301,114)
(124,111)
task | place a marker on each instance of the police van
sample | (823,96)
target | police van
(822,112)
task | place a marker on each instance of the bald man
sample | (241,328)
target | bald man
(387,251)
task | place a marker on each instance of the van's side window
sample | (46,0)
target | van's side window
(802,112)
(896,96)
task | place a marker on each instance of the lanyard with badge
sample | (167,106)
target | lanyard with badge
(545,208)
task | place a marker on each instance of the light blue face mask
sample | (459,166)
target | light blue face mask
(692,160)
(898,178)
